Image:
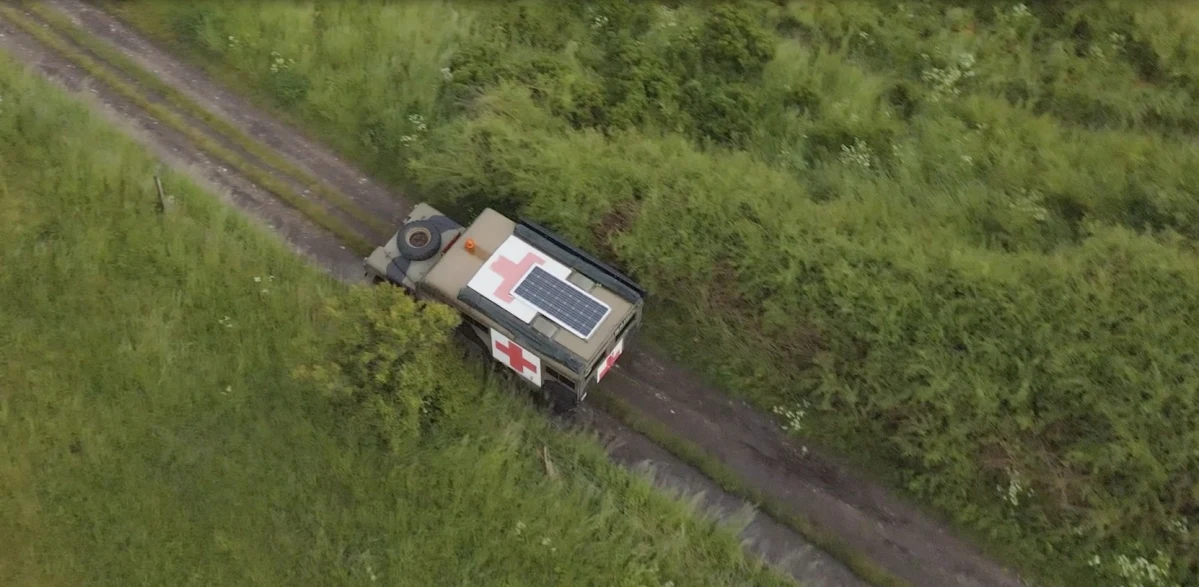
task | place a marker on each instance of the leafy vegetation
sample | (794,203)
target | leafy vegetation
(152,431)
(964,236)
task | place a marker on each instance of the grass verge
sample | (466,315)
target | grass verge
(725,478)
(926,234)
(152,432)
(227,156)
(183,103)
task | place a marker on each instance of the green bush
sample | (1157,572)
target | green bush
(937,223)
(1066,373)
(385,366)
(289,87)
(733,44)
(190,28)
(690,81)
(150,432)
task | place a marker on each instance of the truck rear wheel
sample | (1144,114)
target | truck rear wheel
(562,399)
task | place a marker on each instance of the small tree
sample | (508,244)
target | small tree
(733,44)
(389,362)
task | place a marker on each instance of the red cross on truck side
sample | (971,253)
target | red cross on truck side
(516,357)
(512,272)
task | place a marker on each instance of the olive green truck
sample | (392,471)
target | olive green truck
(550,312)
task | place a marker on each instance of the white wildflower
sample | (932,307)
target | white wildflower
(1030,203)
(1015,488)
(257,279)
(1117,41)
(946,81)
(1179,527)
(279,63)
(418,121)
(666,17)
(1141,572)
(793,417)
(857,154)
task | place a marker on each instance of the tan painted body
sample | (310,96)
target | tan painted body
(445,275)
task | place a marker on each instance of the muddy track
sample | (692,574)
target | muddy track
(859,514)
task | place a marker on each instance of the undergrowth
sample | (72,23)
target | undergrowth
(183,400)
(963,235)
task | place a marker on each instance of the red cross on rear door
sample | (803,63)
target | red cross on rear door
(609,361)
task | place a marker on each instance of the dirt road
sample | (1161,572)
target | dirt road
(860,514)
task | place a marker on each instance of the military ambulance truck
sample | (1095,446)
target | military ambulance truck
(547,310)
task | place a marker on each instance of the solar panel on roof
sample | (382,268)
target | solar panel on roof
(562,302)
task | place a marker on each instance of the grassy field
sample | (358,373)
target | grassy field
(174,407)
(959,239)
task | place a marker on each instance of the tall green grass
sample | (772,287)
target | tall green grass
(962,236)
(152,431)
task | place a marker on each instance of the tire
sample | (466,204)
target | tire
(475,343)
(419,240)
(562,399)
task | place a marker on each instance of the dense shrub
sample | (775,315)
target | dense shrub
(1096,64)
(1068,374)
(633,76)
(950,227)
(733,45)
(385,365)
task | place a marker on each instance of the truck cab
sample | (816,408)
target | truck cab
(551,313)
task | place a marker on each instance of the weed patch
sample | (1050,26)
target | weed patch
(152,431)
(965,235)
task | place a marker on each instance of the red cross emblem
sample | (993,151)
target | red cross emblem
(516,357)
(610,361)
(512,272)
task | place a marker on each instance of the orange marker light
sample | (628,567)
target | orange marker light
(470,244)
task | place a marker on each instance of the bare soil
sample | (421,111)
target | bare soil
(895,534)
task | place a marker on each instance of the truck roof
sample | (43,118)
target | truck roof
(526,278)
